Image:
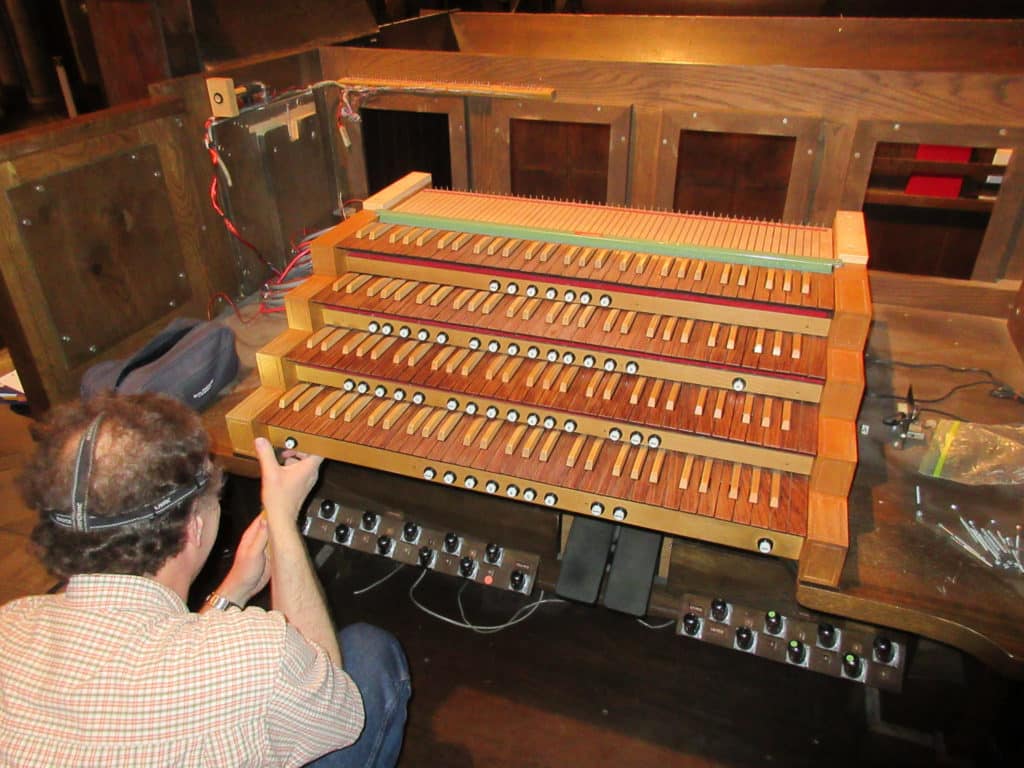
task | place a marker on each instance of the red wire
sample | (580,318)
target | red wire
(225,297)
(233,229)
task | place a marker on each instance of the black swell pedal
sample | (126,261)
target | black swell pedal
(584,559)
(632,572)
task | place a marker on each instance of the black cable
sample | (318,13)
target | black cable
(1000,389)
(945,413)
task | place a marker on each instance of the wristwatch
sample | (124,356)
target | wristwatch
(219,602)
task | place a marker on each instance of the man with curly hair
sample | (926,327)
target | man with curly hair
(115,670)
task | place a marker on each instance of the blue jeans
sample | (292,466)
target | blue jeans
(375,661)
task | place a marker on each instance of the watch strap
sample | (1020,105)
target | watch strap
(220,603)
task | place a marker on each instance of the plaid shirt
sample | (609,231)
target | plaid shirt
(117,672)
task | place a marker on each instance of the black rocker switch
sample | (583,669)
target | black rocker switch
(493,553)
(328,509)
(796,651)
(426,556)
(691,624)
(773,622)
(517,580)
(884,650)
(410,531)
(719,609)
(369,521)
(451,542)
(466,566)
(384,544)
(342,533)
(744,638)
(826,635)
(852,665)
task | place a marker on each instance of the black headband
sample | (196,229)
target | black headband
(81,520)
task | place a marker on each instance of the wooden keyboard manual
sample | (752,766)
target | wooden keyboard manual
(699,376)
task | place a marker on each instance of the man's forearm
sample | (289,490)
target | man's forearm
(295,589)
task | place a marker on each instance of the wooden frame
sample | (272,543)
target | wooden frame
(490,127)
(1000,255)
(805,130)
(458,148)
(828,533)
(151,141)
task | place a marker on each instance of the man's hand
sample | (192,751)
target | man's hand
(251,570)
(284,488)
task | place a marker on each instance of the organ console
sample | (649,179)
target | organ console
(694,375)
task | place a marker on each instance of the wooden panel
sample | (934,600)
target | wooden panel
(969,46)
(491,123)
(1015,324)
(561,160)
(119,249)
(771,177)
(129,46)
(112,249)
(997,253)
(397,152)
(227,30)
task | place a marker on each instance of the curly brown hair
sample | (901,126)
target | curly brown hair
(146,445)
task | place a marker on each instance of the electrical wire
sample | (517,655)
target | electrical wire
(644,622)
(521,614)
(224,297)
(399,566)
(1000,389)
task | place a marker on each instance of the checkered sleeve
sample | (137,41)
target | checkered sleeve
(314,707)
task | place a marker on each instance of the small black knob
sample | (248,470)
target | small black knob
(691,624)
(410,531)
(466,566)
(517,580)
(342,533)
(290,443)
(744,638)
(773,622)
(797,651)
(328,509)
(852,665)
(426,556)
(884,650)
(493,553)
(826,635)
(384,544)
(369,520)
(719,609)
(451,542)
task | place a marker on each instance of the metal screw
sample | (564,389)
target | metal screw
(40,188)
(157,174)
(26,222)
(895,126)
(172,303)
(93,348)
(856,155)
(181,275)
(65,338)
